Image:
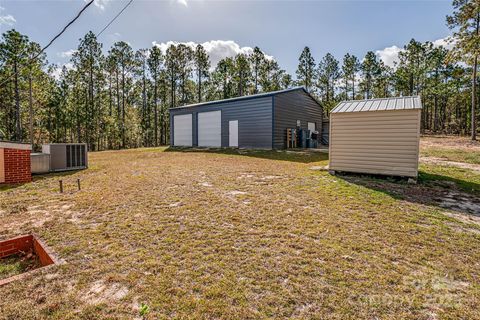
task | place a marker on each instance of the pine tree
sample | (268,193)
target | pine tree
(465,20)
(328,74)
(123,54)
(14,54)
(172,66)
(141,71)
(370,69)
(306,69)
(350,68)
(241,73)
(257,58)
(202,65)
(184,56)
(155,63)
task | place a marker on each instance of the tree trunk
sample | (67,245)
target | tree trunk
(155,109)
(18,127)
(30,109)
(474,98)
(353,86)
(145,114)
(123,107)
(199,85)
(256,78)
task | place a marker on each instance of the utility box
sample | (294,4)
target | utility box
(66,156)
(40,163)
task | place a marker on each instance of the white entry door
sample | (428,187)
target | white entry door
(210,129)
(311,127)
(182,130)
(233,133)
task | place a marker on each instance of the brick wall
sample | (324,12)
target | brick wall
(13,246)
(17,166)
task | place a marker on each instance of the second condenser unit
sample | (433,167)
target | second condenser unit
(66,156)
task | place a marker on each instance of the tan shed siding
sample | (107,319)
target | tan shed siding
(376,142)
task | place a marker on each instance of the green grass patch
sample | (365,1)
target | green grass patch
(465,179)
(457,155)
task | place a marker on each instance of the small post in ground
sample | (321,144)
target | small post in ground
(61,185)
(78,184)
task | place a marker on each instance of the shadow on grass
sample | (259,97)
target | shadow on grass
(296,155)
(40,177)
(437,190)
(52,175)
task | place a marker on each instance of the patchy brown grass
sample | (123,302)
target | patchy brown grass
(222,235)
(451,151)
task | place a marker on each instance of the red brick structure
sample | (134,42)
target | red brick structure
(27,244)
(15,164)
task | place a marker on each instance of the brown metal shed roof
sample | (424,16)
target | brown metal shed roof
(382,104)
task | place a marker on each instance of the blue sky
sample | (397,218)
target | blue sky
(280,28)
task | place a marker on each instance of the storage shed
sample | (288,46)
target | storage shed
(376,136)
(258,121)
(15,162)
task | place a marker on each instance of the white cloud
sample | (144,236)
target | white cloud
(7,20)
(216,49)
(67,54)
(101,4)
(57,71)
(389,55)
(182,2)
(447,43)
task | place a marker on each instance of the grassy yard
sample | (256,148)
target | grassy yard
(181,234)
(460,149)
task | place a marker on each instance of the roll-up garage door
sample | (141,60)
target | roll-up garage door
(182,130)
(210,129)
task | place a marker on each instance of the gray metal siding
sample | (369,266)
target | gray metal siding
(290,107)
(254,121)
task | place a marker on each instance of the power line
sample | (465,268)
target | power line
(51,41)
(115,18)
(65,28)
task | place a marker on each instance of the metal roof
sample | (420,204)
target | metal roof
(383,104)
(253,96)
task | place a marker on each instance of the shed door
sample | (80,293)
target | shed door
(233,133)
(311,127)
(210,129)
(182,130)
(2,166)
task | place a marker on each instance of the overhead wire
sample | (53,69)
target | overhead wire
(31,60)
(114,18)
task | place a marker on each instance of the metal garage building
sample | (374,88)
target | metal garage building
(376,136)
(257,121)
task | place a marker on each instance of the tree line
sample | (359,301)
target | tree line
(120,98)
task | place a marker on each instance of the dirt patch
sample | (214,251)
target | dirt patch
(319,168)
(462,229)
(235,193)
(445,162)
(449,142)
(176,204)
(460,202)
(206,184)
(101,292)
